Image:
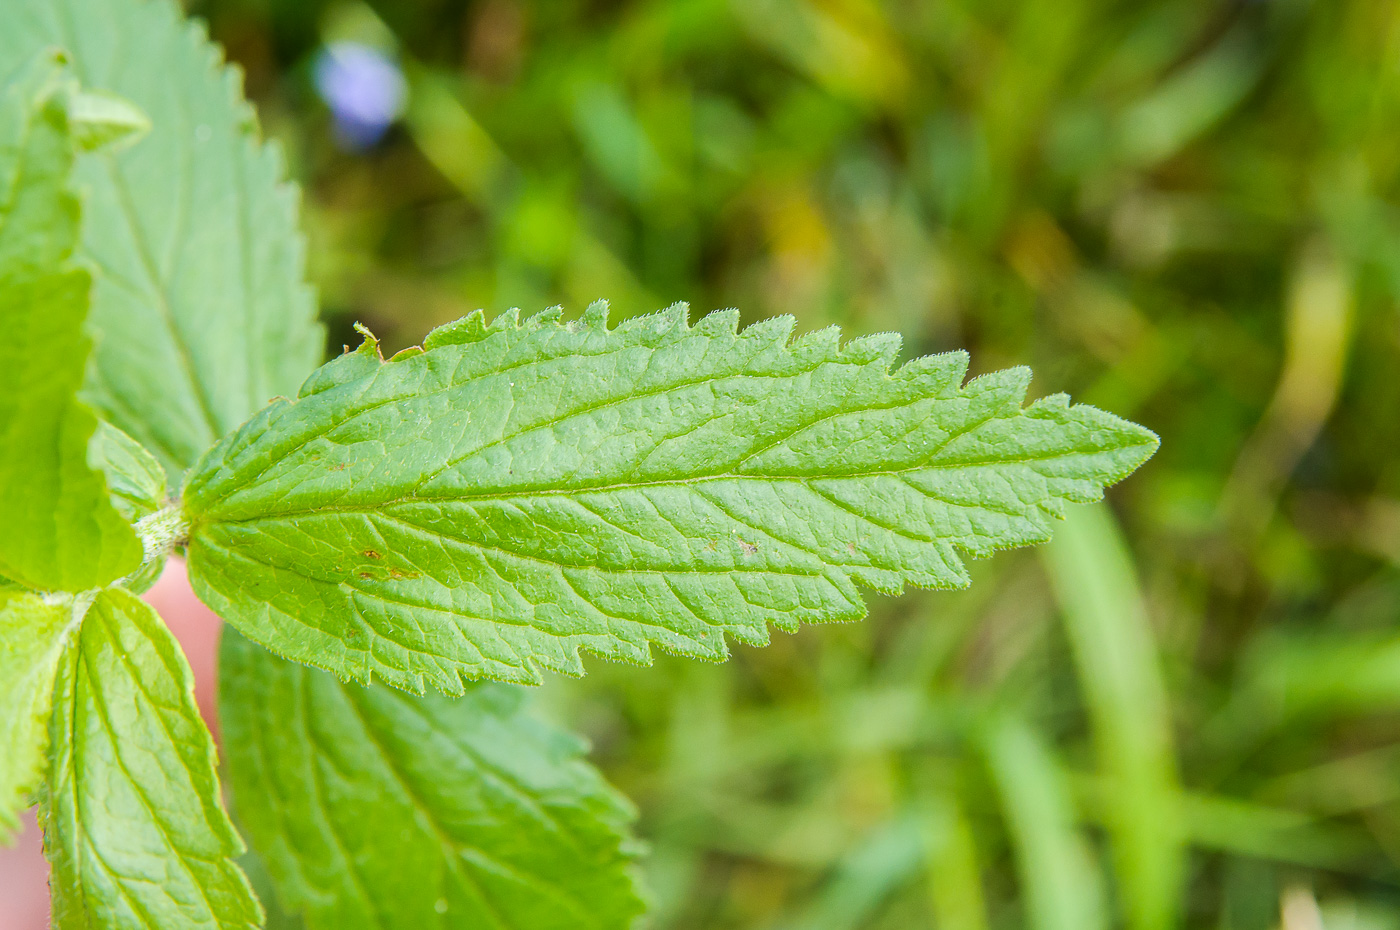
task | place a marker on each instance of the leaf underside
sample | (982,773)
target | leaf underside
(58,530)
(375,808)
(515,493)
(200,298)
(134,826)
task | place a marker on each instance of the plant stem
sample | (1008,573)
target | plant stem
(161,531)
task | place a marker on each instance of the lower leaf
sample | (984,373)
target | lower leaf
(376,808)
(133,822)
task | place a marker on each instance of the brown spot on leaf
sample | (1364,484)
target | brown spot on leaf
(398,574)
(748,547)
(366,575)
(371,554)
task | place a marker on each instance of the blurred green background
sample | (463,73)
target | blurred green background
(1183,713)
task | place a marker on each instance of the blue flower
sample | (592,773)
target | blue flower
(364,89)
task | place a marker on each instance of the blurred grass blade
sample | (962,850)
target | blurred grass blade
(850,58)
(616,141)
(451,138)
(1189,102)
(1320,321)
(1310,679)
(955,879)
(868,874)
(536,221)
(1060,883)
(1275,834)
(1093,578)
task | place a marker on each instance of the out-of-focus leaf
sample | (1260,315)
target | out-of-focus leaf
(137,484)
(200,305)
(134,477)
(105,121)
(371,807)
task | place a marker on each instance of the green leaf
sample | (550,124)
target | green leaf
(200,302)
(32,632)
(60,531)
(134,826)
(137,483)
(512,494)
(101,120)
(134,477)
(375,808)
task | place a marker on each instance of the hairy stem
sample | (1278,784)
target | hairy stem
(161,531)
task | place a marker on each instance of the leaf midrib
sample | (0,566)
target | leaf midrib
(534,493)
(100,704)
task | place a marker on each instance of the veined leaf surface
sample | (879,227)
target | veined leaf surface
(58,530)
(375,808)
(200,301)
(133,822)
(33,630)
(512,494)
(134,478)
(137,484)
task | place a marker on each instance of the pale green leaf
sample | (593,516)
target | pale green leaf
(134,477)
(32,633)
(375,808)
(199,300)
(516,493)
(101,120)
(137,484)
(58,530)
(134,826)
